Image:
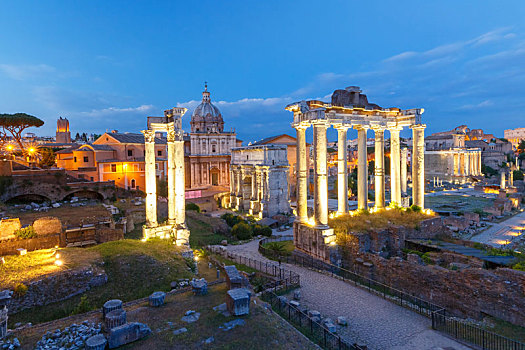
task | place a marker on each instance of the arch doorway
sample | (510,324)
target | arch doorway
(214,176)
(133,184)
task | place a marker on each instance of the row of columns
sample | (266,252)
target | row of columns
(176,183)
(467,163)
(398,173)
(259,185)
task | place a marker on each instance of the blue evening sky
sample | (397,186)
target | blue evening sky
(109,64)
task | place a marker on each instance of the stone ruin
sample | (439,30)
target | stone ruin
(238,297)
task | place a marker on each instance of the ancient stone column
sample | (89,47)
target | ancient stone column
(302,174)
(456,164)
(151,179)
(511,178)
(418,165)
(180,190)
(502,180)
(467,163)
(462,164)
(254,188)
(342,170)
(480,162)
(395,173)
(171,176)
(379,169)
(404,156)
(320,176)
(362,168)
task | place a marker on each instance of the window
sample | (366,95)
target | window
(156,166)
(213,149)
(86,159)
(113,168)
(75,159)
(159,153)
(91,178)
(133,183)
(130,153)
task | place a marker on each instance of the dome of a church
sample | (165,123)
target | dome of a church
(206,118)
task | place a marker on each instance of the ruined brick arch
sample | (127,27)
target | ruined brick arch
(85,193)
(27,198)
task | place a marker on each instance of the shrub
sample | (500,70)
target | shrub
(231,219)
(242,231)
(415,208)
(262,230)
(426,259)
(25,232)
(519,266)
(82,306)
(20,290)
(193,206)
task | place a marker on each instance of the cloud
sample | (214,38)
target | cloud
(24,72)
(112,111)
(483,104)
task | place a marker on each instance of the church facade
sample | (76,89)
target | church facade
(210,146)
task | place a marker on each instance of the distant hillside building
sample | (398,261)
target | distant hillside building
(515,136)
(62,134)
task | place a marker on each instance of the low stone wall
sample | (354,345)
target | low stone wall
(47,225)
(9,247)
(58,287)
(468,292)
(8,227)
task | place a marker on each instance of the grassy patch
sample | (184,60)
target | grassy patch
(458,203)
(34,265)
(241,267)
(366,221)
(202,231)
(135,269)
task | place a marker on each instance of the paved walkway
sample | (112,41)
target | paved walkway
(373,321)
(503,233)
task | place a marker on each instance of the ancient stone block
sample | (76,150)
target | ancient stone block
(111,305)
(233,278)
(127,333)
(199,287)
(3,323)
(47,226)
(96,342)
(341,320)
(8,227)
(238,301)
(157,299)
(115,318)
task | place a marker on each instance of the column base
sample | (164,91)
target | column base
(254,207)
(317,242)
(180,234)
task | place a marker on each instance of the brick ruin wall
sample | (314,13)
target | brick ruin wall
(58,287)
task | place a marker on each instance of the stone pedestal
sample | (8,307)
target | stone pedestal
(238,301)
(96,342)
(127,333)
(157,299)
(314,241)
(115,318)
(3,323)
(199,286)
(110,305)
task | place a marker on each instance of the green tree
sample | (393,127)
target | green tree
(242,230)
(48,158)
(16,124)
(518,175)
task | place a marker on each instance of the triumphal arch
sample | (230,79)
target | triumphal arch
(350,109)
(175,227)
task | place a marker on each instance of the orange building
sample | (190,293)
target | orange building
(113,156)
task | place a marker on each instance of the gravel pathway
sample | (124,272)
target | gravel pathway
(373,321)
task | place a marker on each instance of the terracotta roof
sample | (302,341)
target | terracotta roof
(134,138)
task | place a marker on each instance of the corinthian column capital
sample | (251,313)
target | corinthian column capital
(149,135)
